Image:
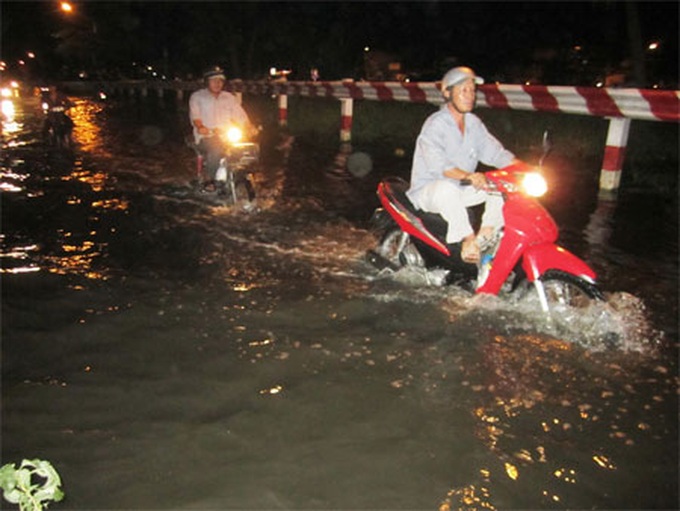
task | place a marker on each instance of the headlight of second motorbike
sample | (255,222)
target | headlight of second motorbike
(232,135)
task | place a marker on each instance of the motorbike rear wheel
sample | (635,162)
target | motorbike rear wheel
(396,247)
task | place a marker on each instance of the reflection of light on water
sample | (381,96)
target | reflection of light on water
(9,122)
(243,287)
(12,127)
(78,263)
(86,132)
(9,187)
(96,180)
(547,402)
(276,389)
(24,269)
(568,475)
(78,260)
(4,174)
(115,204)
(468,497)
(87,245)
(511,470)
(7,108)
(604,462)
(19,254)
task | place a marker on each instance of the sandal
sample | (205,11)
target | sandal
(469,251)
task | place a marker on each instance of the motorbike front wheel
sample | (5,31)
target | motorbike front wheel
(238,189)
(564,290)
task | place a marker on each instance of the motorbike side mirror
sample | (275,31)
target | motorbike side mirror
(547,147)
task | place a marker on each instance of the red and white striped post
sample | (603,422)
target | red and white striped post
(283,109)
(346,108)
(614,153)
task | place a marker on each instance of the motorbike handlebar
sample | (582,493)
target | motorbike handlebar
(489,188)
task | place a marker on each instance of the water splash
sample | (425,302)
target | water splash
(619,323)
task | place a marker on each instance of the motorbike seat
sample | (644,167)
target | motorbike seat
(396,189)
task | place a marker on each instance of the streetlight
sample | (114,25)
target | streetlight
(80,38)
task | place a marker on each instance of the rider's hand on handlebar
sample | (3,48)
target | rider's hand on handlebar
(478,180)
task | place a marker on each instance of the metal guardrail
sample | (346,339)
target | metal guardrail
(620,106)
(644,104)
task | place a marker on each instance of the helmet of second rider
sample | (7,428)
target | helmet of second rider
(458,75)
(214,72)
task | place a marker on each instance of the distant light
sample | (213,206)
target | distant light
(599,84)
(7,108)
(654,45)
(30,54)
(66,7)
(367,48)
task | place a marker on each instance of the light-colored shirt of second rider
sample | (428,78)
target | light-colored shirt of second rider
(215,112)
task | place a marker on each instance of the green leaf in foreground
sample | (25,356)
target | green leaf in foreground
(33,485)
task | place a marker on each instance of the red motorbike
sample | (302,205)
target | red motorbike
(521,255)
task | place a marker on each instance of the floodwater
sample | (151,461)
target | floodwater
(163,351)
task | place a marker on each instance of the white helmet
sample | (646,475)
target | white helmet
(458,75)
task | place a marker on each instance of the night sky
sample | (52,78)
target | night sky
(547,42)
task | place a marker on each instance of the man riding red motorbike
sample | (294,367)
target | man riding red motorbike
(427,224)
(451,144)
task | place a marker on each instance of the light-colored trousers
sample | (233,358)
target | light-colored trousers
(450,200)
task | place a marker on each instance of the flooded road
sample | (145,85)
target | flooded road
(164,351)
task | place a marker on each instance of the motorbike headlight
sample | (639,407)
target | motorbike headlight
(534,184)
(234,134)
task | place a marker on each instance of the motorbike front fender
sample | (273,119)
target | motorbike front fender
(539,259)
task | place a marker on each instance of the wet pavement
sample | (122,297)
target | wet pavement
(166,351)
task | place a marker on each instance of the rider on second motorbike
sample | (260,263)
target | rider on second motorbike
(211,110)
(449,147)
(56,105)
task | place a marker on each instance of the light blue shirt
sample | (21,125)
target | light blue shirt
(441,146)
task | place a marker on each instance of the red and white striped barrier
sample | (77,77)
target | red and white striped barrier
(646,104)
(651,105)
(620,106)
